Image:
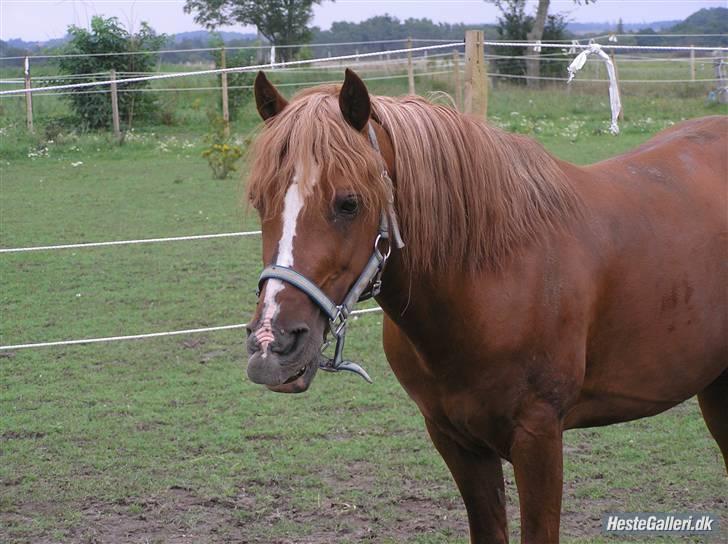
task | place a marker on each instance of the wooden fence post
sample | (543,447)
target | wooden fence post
(476,77)
(458,82)
(692,62)
(410,69)
(28,97)
(225,106)
(115,107)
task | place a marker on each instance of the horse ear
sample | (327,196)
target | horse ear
(267,98)
(354,101)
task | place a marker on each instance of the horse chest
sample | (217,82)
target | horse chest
(476,411)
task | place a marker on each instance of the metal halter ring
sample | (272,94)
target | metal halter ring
(382,256)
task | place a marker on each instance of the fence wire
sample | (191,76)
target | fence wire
(291,65)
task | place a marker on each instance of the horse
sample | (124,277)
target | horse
(527,296)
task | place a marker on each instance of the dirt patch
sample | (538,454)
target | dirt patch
(21,435)
(176,516)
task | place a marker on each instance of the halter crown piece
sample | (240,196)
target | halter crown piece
(368,284)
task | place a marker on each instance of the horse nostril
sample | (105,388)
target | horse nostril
(288,340)
(300,330)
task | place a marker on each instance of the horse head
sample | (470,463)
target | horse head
(316,181)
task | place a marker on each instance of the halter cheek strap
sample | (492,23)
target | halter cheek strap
(367,285)
(392,216)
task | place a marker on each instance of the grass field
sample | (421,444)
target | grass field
(166,441)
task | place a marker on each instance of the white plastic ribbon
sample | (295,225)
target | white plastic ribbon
(614,101)
(613,38)
(537,47)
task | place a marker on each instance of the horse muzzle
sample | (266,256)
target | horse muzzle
(287,364)
(279,377)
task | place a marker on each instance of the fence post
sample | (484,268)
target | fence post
(476,77)
(115,107)
(28,97)
(225,107)
(458,82)
(692,62)
(410,69)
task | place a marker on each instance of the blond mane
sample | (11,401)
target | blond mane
(467,194)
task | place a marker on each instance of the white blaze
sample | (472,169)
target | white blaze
(292,206)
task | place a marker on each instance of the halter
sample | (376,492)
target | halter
(368,284)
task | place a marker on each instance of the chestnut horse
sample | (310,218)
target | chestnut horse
(531,295)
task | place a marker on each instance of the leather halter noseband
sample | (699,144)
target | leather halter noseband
(365,287)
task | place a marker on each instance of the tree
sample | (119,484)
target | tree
(385,27)
(514,25)
(281,22)
(98,51)
(533,65)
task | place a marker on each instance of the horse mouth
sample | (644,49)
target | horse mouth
(298,382)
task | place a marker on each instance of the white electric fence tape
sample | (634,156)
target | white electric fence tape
(214,71)
(614,101)
(146,335)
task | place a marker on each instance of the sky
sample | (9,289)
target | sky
(46,19)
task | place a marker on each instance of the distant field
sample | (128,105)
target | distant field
(166,441)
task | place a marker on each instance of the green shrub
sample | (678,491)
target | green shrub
(221,153)
(91,109)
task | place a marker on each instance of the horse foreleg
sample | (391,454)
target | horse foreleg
(479,477)
(538,466)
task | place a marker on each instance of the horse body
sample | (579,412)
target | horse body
(542,345)
(609,306)
(645,305)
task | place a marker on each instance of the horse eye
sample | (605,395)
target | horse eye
(348,206)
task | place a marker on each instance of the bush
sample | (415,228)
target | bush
(99,50)
(221,153)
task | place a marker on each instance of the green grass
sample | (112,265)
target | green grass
(150,440)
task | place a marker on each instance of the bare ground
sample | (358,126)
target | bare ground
(180,515)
